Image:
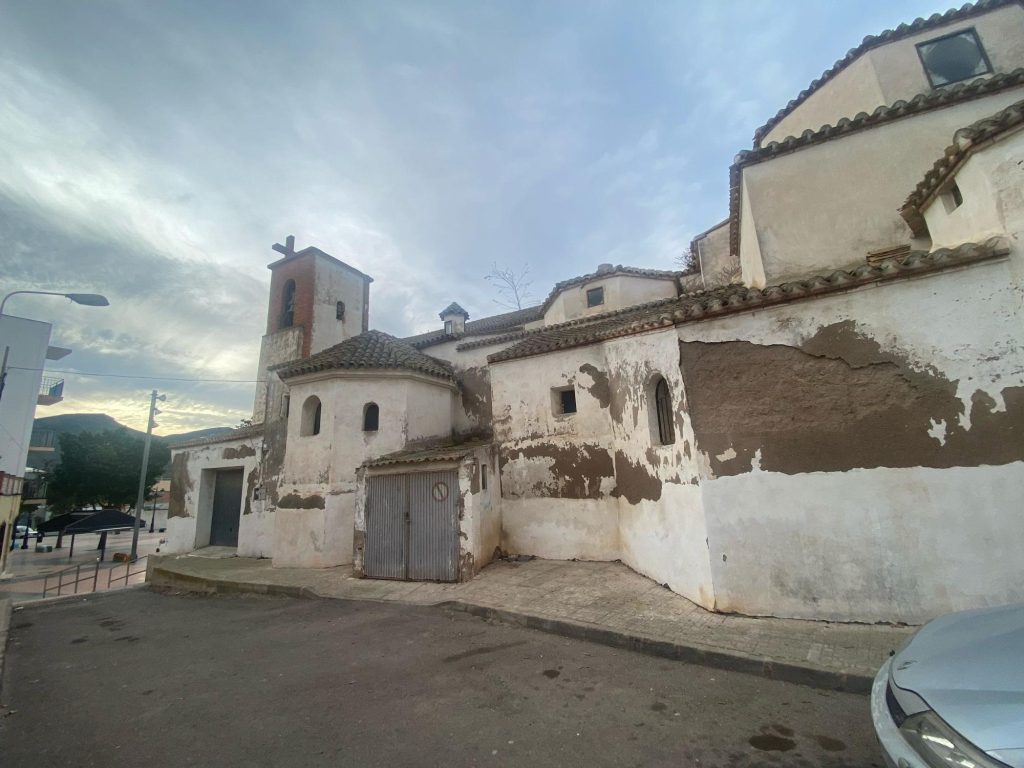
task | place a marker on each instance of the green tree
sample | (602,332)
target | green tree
(103,468)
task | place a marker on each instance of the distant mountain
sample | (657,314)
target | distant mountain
(98,422)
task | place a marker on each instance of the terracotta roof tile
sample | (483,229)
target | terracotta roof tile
(965,142)
(873,41)
(454,309)
(616,270)
(447,452)
(372,350)
(730,299)
(505,322)
(242,433)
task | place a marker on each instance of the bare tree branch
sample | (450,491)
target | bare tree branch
(513,287)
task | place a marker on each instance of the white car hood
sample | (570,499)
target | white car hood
(969,669)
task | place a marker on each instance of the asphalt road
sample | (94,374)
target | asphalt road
(140,678)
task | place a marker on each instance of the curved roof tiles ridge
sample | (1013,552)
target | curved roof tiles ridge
(737,298)
(371,350)
(965,141)
(618,269)
(242,433)
(874,41)
(503,323)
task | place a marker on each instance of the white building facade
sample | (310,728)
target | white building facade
(823,419)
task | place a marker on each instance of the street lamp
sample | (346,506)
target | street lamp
(86,299)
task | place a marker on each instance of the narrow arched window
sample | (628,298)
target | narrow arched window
(310,417)
(371,417)
(663,405)
(288,304)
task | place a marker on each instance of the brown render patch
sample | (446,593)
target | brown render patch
(251,481)
(241,452)
(576,471)
(600,389)
(475,386)
(294,501)
(838,403)
(634,481)
(181,483)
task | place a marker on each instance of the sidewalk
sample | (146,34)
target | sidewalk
(601,602)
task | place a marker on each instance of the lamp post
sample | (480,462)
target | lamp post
(86,299)
(140,499)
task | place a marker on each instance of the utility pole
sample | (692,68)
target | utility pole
(153,411)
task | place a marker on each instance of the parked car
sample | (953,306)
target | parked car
(954,694)
(19,535)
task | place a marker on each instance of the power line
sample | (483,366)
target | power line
(131,376)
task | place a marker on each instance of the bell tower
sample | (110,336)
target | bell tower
(316,301)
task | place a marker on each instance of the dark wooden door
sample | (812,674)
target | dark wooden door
(227,508)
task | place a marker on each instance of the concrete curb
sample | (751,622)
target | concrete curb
(5,623)
(734,661)
(163,579)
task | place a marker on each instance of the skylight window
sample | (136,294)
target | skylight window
(954,57)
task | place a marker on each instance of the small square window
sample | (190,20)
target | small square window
(952,58)
(595,297)
(566,402)
(952,198)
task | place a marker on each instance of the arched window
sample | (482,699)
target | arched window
(288,304)
(663,408)
(371,417)
(310,417)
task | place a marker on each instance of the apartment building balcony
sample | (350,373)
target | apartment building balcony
(51,391)
(43,440)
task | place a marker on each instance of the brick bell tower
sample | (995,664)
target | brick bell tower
(316,301)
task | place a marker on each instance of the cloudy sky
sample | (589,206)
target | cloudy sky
(153,152)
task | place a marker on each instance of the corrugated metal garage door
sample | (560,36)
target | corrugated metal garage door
(412,527)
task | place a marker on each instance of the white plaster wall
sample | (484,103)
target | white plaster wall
(717,265)
(826,206)
(27,341)
(192,531)
(897,544)
(315,527)
(894,71)
(334,283)
(619,291)
(992,185)
(868,544)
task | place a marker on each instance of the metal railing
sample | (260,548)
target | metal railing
(128,572)
(90,578)
(61,583)
(51,386)
(43,439)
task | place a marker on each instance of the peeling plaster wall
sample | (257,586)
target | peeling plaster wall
(315,494)
(193,473)
(479,513)
(557,471)
(863,454)
(598,485)
(662,530)
(278,347)
(472,411)
(802,211)
(894,71)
